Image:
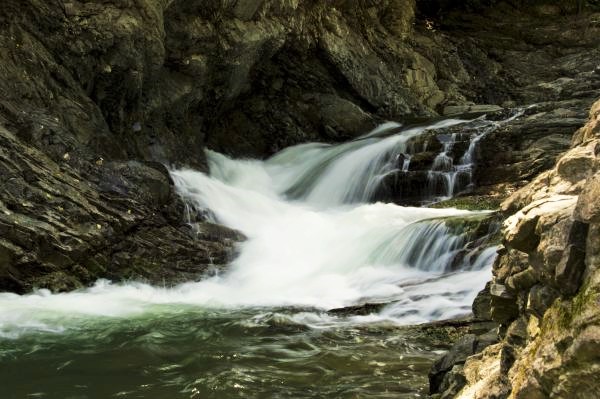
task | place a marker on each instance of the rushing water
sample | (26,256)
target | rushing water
(328,175)
(262,329)
(447,178)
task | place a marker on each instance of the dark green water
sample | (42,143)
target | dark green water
(217,354)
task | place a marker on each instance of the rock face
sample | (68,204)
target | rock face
(546,287)
(249,77)
(63,227)
(161,78)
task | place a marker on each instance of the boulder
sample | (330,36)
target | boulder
(588,206)
(482,304)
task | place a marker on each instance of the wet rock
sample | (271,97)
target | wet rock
(446,375)
(145,184)
(63,229)
(58,281)
(462,349)
(343,118)
(470,109)
(453,382)
(358,310)
(422,160)
(407,188)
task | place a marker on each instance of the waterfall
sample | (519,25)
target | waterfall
(329,175)
(445,178)
(314,241)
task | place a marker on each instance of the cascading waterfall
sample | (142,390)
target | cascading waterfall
(445,178)
(312,240)
(443,172)
(329,175)
(314,243)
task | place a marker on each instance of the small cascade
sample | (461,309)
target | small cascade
(327,175)
(443,175)
(388,164)
(440,245)
(405,161)
(451,174)
(358,251)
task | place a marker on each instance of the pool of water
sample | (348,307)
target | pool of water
(192,353)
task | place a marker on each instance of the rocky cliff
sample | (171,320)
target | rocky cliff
(545,290)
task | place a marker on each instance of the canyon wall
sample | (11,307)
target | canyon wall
(99,97)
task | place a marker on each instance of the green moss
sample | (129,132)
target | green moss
(586,296)
(564,319)
(462,224)
(471,203)
(476,226)
(570,310)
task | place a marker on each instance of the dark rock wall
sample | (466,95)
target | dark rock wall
(160,79)
(96,95)
(151,79)
(63,227)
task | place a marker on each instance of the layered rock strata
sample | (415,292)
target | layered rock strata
(63,227)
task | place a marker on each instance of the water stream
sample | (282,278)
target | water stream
(262,329)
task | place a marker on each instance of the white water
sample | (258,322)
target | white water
(327,176)
(455,178)
(315,251)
